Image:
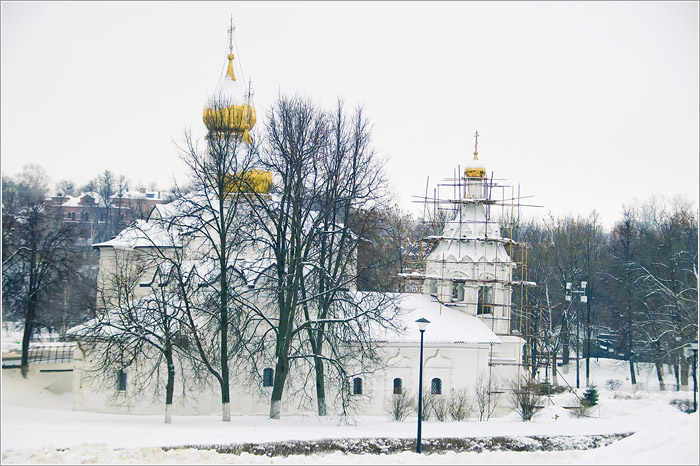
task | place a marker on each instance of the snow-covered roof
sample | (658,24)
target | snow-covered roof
(447,325)
(140,234)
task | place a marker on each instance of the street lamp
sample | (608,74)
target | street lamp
(584,299)
(691,349)
(422,325)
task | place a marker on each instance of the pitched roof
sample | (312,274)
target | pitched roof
(447,325)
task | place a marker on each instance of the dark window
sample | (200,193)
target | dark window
(85,216)
(121,380)
(436,386)
(485,300)
(357,386)
(398,386)
(267,377)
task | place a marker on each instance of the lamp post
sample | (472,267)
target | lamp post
(691,349)
(584,299)
(422,325)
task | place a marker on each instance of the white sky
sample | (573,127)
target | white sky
(586,105)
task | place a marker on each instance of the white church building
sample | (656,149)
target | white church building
(464,288)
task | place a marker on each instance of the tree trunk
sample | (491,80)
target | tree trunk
(684,374)
(555,380)
(660,374)
(224,322)
(28,327)
(633,376)
(170,386)
(27,335)
(588,355)
(281,370)
(565,342)
(225,396)
(320,386)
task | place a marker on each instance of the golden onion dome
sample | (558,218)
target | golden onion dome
(475,169)
(250,181)
(230,109)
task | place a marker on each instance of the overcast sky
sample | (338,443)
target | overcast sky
(584,105)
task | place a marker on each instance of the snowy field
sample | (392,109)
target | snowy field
(38,426)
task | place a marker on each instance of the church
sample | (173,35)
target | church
(463,287)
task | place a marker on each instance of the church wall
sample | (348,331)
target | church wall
(101,394)
(457,366)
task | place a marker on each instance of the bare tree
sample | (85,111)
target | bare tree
(37,250)
(525,398)
(623,251)
(389,241)
(665,280)
(327,175)
(400,406)
(214,213)
(143,334)
(486,395)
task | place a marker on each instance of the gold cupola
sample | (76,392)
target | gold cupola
(475,169)
(230,109)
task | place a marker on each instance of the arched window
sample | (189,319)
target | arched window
(85,217)
(268,374)
(398,386)
(357,386)
(436,386)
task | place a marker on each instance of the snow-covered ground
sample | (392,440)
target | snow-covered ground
(38,426)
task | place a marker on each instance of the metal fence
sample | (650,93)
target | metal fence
(43,354)
(51,354)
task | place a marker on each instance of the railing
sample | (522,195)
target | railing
(51,354)
(43,354)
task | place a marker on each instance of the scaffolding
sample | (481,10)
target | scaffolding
(439,213)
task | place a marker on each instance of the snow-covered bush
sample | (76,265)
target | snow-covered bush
(400,406)
(683,404)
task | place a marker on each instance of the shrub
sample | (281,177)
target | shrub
(579,408)
(485,398)
(459,405)
(683,404)
(440,408)
(400,406)
(613,384)
(526,398)
(545,388)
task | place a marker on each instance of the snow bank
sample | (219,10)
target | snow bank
(37,422)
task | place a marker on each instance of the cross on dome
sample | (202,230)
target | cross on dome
(475,169)
(230,109)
